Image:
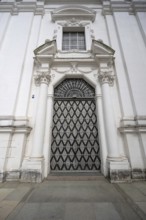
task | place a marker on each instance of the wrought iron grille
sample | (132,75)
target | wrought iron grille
(75,144)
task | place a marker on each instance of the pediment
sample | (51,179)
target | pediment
(73,11)
(48,48)
(99,48)
(46,51)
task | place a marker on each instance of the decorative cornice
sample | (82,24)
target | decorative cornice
(111,6)
(15,7)
(106,76)
(73,10)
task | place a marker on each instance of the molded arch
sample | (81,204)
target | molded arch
(73,11)
(74,88)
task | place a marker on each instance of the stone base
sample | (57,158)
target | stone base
(2,177)
(32,170)
(119,176)
(13,175)
(138,174)
(119,170)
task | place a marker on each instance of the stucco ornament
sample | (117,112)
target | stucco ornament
(74,68)
(106,76)
(42,77)
(73,22)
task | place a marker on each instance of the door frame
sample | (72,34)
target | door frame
(90,79)
(90,96)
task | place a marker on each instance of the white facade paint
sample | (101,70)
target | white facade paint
(28,79)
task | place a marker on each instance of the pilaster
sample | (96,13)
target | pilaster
(33,168)
(118,166)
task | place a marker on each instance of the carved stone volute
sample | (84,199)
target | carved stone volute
(42,77)
(106,76)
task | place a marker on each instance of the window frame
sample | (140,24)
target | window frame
(76,30)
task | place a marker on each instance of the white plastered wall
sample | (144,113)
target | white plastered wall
(125,33)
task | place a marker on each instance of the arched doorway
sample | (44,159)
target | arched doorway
(75,145)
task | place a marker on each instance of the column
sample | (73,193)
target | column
(106,80)
(42,80)
(48,134)
(101,130)
(118,166)
(33,167)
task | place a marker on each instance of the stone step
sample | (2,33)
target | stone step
(75,176)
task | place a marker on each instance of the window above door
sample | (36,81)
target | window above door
(73,40)
(73,25)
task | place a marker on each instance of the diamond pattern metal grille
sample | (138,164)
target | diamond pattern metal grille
(75,144)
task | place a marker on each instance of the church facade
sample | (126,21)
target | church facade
(72,89)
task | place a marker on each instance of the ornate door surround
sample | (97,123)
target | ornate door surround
(97,67)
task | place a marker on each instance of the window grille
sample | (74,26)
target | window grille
(73,41)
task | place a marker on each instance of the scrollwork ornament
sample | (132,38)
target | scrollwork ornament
(73,22)
(106,77)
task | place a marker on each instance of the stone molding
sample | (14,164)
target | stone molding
(70,2)
(45,53)
(111,6)
(9,120)
(98,96)
(75,12)
(29,6)
(11,124)
(133,124)
(100,48)
(84,13)
(50,96)
(15,129)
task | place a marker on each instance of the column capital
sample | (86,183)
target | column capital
(42,77)
(106,76)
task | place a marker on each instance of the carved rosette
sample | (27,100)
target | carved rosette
(106,77)
(42,77)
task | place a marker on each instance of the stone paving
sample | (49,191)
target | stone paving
(73,200)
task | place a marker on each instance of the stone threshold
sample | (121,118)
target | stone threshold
(73,176)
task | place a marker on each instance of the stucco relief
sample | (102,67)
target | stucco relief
(74,68)
(106,76)
(43,77)
(73,22)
